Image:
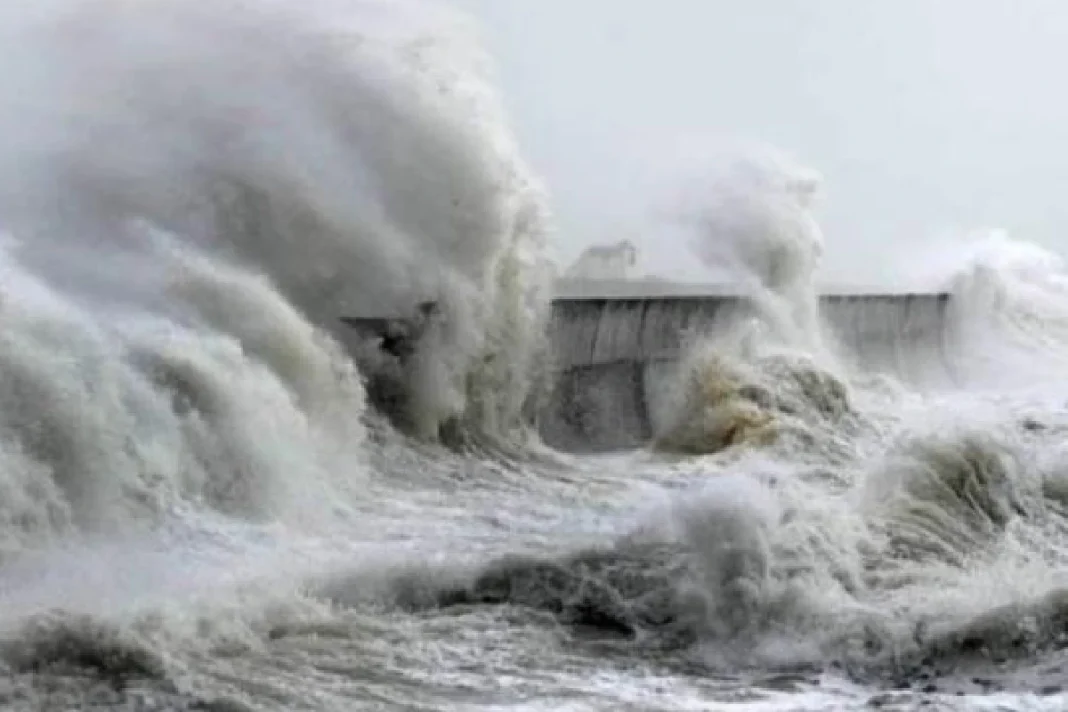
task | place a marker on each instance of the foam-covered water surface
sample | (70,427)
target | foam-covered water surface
(200,508)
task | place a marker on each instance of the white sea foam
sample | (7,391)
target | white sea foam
(192,508)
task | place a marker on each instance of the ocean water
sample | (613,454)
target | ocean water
(200,510)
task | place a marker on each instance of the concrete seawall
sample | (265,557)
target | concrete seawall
(616,347)
(616,352)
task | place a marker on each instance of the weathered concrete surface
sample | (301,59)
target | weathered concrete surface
(615,354)
(588,331)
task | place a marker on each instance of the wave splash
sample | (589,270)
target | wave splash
(192,195)
(750,216)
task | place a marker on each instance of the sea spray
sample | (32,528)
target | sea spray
(336,149)
(749,215)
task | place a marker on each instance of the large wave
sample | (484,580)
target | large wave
(192,195)
(749,215)
(1010,324)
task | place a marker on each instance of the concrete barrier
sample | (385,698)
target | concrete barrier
(616,350)
(616,345)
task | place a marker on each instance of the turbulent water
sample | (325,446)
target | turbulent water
(198,510)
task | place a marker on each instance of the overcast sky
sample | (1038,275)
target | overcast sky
(923,115)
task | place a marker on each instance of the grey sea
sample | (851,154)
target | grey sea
(217,495)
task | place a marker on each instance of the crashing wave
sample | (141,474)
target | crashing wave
(232,182)
(724,402)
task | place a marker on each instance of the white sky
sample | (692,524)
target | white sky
(922,115)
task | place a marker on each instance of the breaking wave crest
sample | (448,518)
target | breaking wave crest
(1008,311)
(780,569)
(728,399)
(193,195)
(769,372)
